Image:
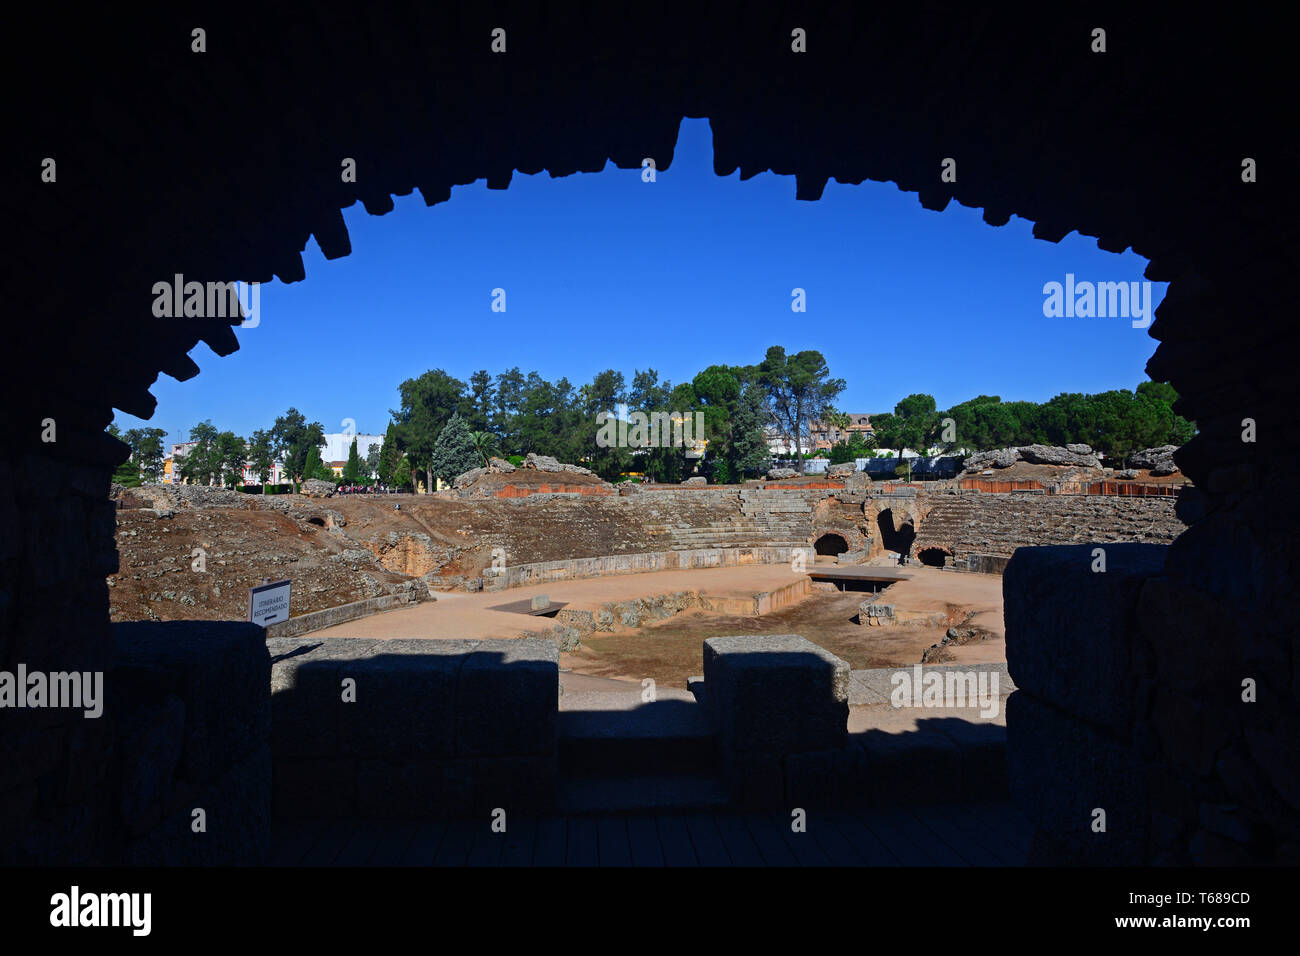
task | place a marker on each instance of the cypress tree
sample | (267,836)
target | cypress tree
(454,452)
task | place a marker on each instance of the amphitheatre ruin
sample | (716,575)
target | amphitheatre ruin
(618,587)
(539,527)
(658,673)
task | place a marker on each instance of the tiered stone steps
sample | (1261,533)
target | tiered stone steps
(949,523)
(1001,523)
(692,520)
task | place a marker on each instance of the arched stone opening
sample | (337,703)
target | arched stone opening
(934,557)
(234,216)
(830,544)
(896,538)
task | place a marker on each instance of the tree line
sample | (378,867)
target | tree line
(444,426)
(513,414)
(1115,423)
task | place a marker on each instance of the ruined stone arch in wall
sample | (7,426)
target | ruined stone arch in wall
(155,180)
(835,539)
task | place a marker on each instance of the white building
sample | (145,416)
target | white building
(172,465)
(778,445)
(334,451)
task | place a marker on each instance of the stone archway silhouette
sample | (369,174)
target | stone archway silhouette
(155,179)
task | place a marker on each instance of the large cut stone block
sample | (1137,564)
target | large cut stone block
(236,821)
(909,769)
(221,672)
(506,698)
(405,699)
(1071,630)
(314,788)
(776,694)
(827,778)
(515,784)
(414,788)
(307,706)
(1062,771)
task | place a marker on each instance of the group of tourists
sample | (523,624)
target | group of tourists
(379,488)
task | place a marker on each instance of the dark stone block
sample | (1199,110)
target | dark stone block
(515,784)
(982,753)
(314,788)
(237,820)
(755,780)
(776,694)
(507,698)
(1070,630)
(405,701)
(30,750)
(417,788)
(1061,770)
(219,669)
(17,813)
(827,779)
(91,748)
(908,769)
(1189,734)
(307,704)
(150,751)
(1194,640)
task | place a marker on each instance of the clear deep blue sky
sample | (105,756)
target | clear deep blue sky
(605,271)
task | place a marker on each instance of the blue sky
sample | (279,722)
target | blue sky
(606,271)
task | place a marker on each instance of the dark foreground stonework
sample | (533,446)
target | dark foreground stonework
(1124,718)
(151,183)
(411,728)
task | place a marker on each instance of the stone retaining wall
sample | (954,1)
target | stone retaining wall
(315,620)
(523,574)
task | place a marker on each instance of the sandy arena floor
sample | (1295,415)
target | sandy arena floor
(669,651)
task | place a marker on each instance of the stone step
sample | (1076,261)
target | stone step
(945,759)
(623,794)
(663,738)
